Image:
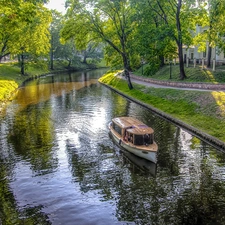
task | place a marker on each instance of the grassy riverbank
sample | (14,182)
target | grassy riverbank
(202,110)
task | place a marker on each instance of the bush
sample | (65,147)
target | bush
(152,68)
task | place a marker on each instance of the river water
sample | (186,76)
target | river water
(58,164)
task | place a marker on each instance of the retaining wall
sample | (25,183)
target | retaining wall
(206,86)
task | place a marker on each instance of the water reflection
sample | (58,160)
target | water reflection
(137,164)
(37,92)
(59,165)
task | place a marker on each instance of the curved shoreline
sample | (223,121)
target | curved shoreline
(196,132)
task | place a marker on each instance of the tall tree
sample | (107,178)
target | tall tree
(55,27)
(103,21)
(60,50)
(25,28)
(178,16)
(153,37)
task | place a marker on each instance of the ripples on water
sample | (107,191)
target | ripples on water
(60,166)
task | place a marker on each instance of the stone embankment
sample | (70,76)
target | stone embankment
(203,86)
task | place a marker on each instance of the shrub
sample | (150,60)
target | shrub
(152,68)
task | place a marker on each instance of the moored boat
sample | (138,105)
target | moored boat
(134,136)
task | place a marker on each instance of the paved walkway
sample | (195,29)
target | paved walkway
(177,85)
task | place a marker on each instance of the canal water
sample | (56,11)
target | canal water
(58,164)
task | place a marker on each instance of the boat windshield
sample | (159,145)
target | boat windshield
(117,128)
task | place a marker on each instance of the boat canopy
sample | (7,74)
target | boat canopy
(133,125)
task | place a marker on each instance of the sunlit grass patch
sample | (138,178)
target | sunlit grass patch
(111,78)
(220,100)
(210,76)
(6,88)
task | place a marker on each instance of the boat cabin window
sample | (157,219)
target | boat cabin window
(138,140)
(146,139)
(117,128)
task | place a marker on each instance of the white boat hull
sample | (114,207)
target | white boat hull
(149,155)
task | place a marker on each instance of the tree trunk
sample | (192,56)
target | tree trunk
(51,56)
(85,59)
(209,57)
(161,59)
(126,70)
(4,55)
(69,65)
(179,41)
(3,51)
(127,75)
(22,64)
(181,62)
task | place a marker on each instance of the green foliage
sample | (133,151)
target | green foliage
(24,28)
(211,18)
(152,68)
(108,22)
(164,26)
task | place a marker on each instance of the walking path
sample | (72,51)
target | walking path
(177,85)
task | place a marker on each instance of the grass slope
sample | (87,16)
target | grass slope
(196,74)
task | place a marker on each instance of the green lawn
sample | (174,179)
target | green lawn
(196,74)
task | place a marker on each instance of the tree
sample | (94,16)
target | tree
(178,16)
(61,51)
(212,18)
(101,21)
(25,28)
(153,36)
(55,27)
(93,51)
